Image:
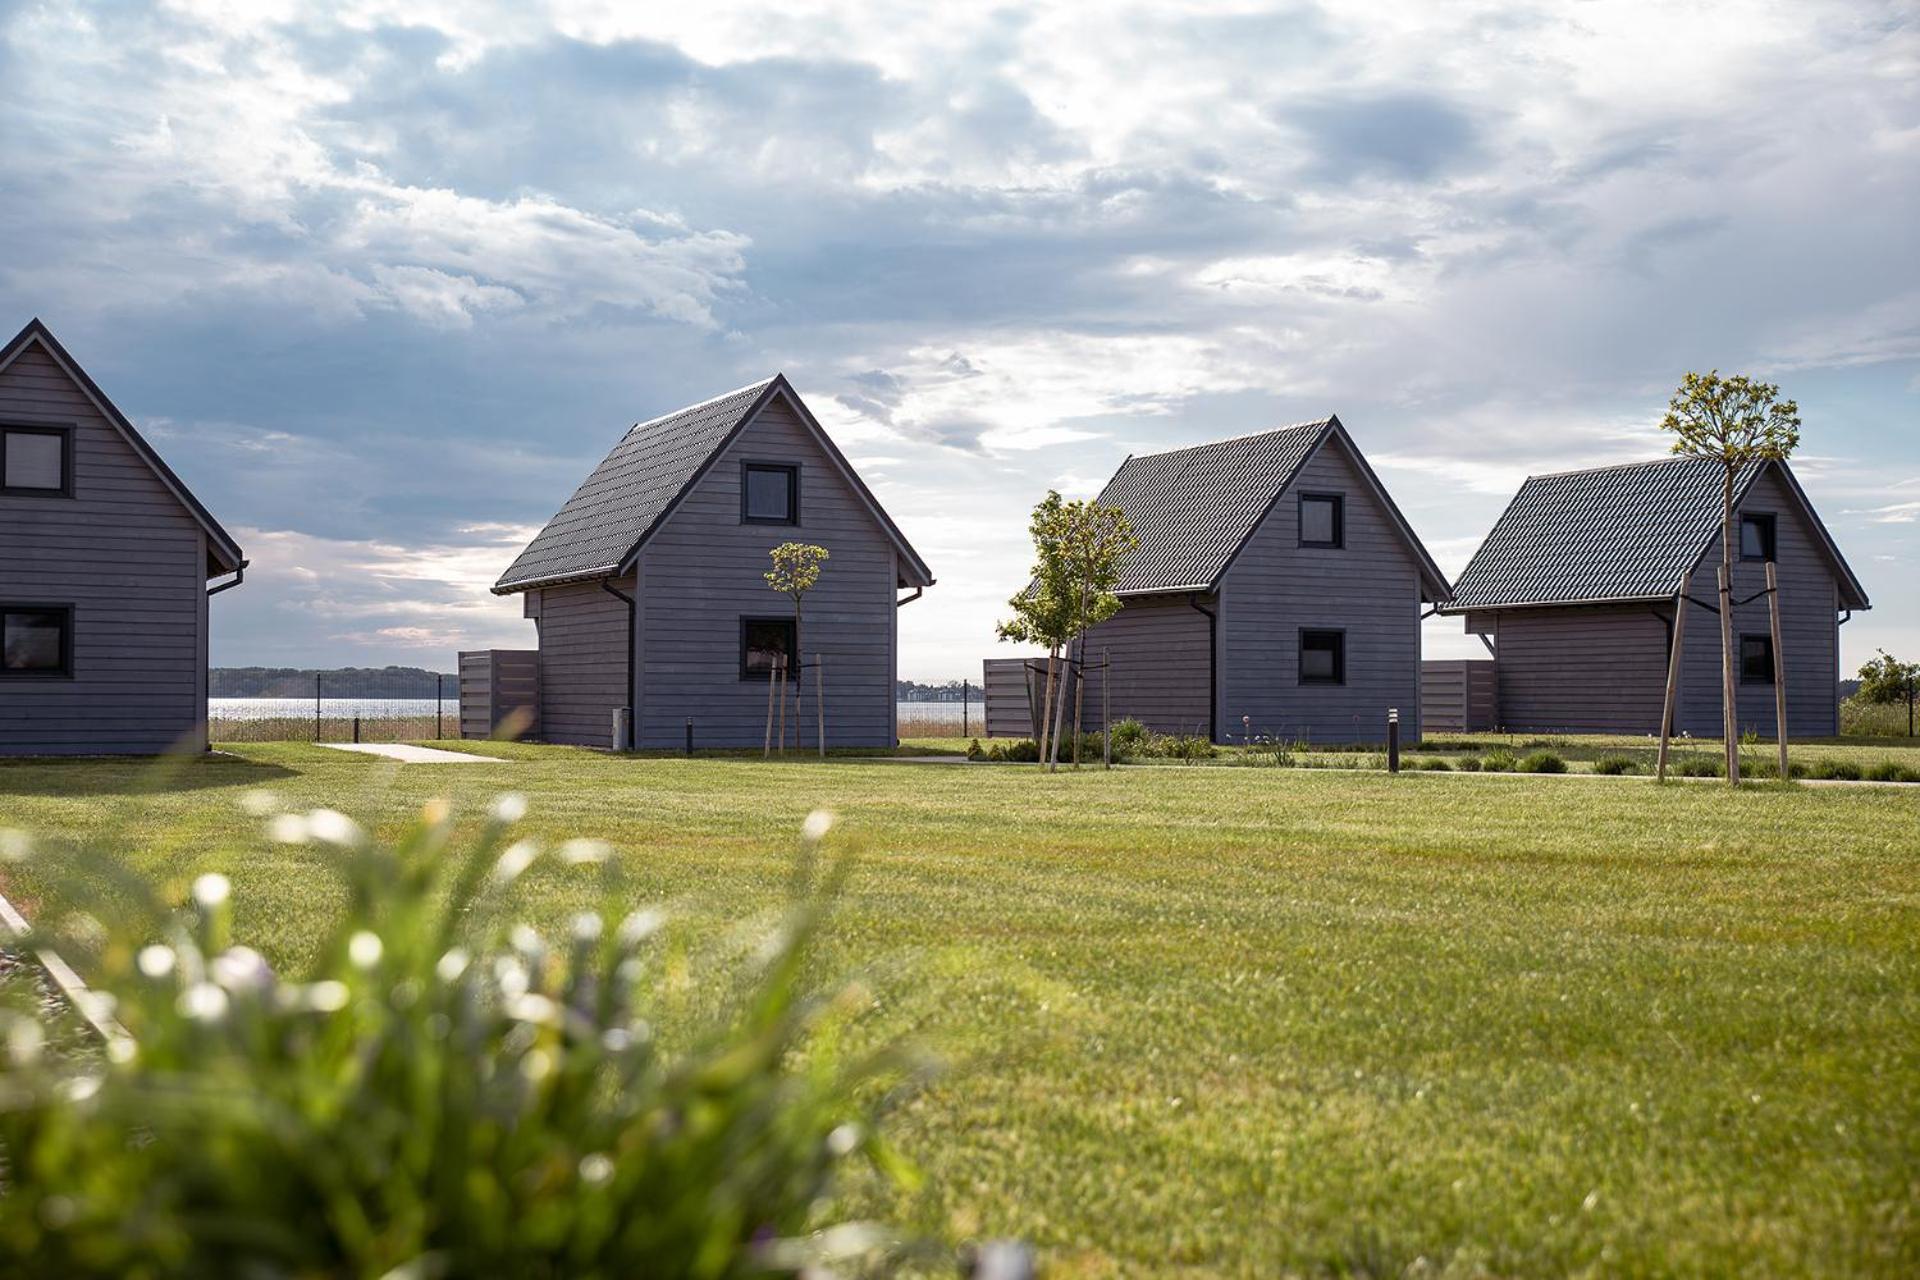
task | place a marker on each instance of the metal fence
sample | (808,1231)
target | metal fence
(349,705)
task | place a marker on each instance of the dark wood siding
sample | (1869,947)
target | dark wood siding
(583,662)
(1459,696)
(1009,701)
(1809,603)
(130,559)
(1161,669)
(1369,588)
(1585,669)
(702,571)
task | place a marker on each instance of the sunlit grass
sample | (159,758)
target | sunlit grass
(1266,1020)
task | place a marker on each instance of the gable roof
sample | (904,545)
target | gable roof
(601,528)
(1194,510)
(1617,534)
(223,553)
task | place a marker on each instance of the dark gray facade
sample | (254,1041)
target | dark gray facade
(1220,653)
(119,550)
(670,643)
(1600,665)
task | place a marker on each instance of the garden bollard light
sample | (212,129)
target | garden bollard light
(1393,739)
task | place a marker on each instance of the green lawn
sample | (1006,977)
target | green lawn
(1263,1021)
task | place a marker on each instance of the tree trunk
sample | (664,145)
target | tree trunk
(1060,713)
(1673,679)
(799,674)
(1729,706)
(1046,703)
(1079,698)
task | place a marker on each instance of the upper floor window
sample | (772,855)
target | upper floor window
(769,494)
(1756,659)
(1323,657)
(36,460)
(1756,536)
(1323,520)
(36,640)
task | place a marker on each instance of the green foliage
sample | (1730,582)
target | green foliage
(1887,679)
(1862,719)
(1889,771)
(1018,751)
(1829,769)
(1435,764)
(443,1092)
(1699,767)
(1468,764)
(1542,762)
(796,568)
(1616,765)
(1129,735)
(1735,419)
(975,751)
(1500,760)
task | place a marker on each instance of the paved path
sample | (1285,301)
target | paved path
(410,755)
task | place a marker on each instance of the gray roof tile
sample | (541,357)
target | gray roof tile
(1192,508)
(1629,532)
(631,488)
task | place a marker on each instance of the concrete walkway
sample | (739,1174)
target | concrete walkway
(409,755)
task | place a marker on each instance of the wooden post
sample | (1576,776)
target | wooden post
(820,700)
(1106,707)
(1729,689)
(1779,668)
(781,664)
(1079,697)
(1673,679)
(1046,702)
(766,747)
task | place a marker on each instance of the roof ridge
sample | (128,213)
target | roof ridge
(701,404)
(1621,466)
(1212,444)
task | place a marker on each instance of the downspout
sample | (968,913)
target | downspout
(917,592)
(1213,665)
(633,730)
(239,576)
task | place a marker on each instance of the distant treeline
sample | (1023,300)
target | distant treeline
(335,682)
(949,691)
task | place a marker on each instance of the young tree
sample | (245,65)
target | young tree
(796,571)
(1886,680)
(1043,612)
(1097,541)
(1734,421)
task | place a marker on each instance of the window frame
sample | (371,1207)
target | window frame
(1339,677)
(1339,502)
(64,432)
(1764,639)
(1770,540)
(793,644)
(65,612)
(792,472)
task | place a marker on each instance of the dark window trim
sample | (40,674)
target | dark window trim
(1771,539)
(1339,656)
(1339,501)
(66,639)
(66,433)
(792,470)
(793,643)
(1765,639)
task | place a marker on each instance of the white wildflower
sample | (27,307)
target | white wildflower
(288,828)
(364,949)
(156,961)
(509,806)
(582,852)
(595,1169)
(203,1002)
(451,965)
(517,857)
(334,827)
(818,823)
(212,890)
(260,803)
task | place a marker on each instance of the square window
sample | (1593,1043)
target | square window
(33,460)
(1756,537)
(1756,659)
(765,644)
(1323,657)
(36,640)
(769,494)
(1322,520)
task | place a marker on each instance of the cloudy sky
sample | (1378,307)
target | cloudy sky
(384,280)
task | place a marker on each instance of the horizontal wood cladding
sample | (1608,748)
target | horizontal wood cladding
(1009,704)
(1583,669)
(1588,669)
(130,559)
(702,572)
(1368,588)
(1459,696)
(583,661)
(1809,606)
(1160,666)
